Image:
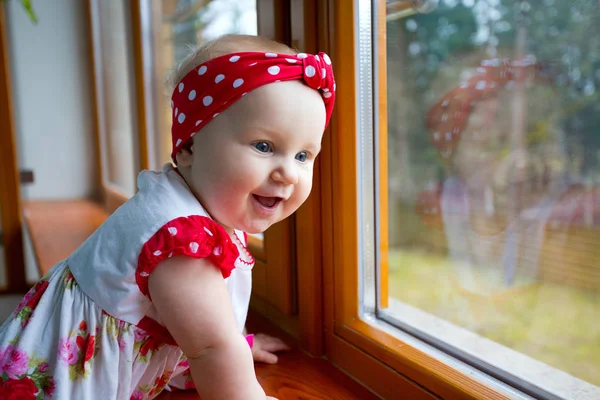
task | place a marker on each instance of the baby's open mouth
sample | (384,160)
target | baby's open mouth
(268,202)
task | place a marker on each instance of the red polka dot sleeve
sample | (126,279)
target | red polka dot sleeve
(194,236)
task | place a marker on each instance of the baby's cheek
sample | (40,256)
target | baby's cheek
(301,193)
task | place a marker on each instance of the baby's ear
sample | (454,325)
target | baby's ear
(185,156)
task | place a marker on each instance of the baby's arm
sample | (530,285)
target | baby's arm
(192,300)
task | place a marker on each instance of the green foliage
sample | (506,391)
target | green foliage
(28,9)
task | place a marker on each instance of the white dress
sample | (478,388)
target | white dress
(89,330)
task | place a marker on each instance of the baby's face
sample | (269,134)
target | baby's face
(253,164)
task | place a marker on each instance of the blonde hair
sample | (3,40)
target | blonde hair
(220,46)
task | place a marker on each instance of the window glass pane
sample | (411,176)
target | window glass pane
(117,96)
(181,26)
(493,183)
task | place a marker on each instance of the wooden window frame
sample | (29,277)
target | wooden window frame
(113,196)
(379,359)
(274,277)
(309,33)
(10,193)
(382,124)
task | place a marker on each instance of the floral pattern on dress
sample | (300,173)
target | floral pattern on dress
(23,377)
(69,279)
(77,350)
(145,344)
(151,390)
(30,302)
(115,328)
(187,374)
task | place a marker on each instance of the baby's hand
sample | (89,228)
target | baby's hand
(265,346)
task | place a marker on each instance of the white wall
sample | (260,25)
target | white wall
(51,75)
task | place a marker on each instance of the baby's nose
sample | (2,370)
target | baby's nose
(286,174)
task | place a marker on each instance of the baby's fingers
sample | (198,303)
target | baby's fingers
(272,344)
(265,357)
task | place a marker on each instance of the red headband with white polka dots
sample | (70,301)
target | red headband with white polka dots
(213,86)
(448,118)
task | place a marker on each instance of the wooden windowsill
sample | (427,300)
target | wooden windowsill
(57,228)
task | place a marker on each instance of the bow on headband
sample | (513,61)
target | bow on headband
(447,119)
(213,86)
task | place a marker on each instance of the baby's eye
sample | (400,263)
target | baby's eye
(263,147)
(302,156)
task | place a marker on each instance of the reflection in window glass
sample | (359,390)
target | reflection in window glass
(118,105)
(184,25)
(494,174)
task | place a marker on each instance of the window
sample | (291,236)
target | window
(115,96)
(477,188)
